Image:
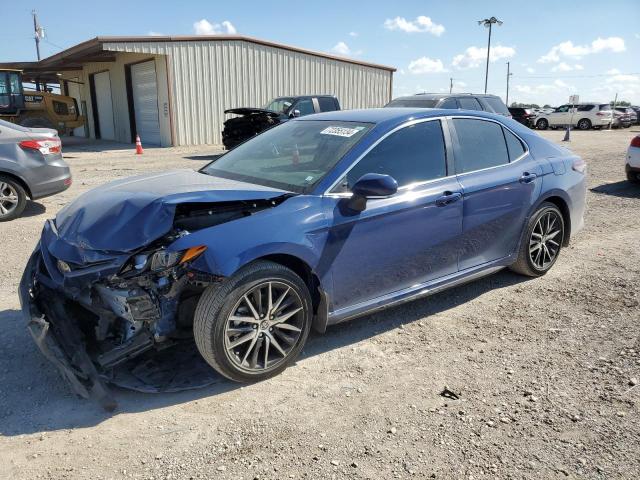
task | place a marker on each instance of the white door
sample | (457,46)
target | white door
(104,105)
(74,92)
(145,102)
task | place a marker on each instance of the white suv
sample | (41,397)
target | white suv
(583,115)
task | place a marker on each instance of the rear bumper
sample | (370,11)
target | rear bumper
(49,180)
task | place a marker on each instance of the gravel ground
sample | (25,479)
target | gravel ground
(544,369)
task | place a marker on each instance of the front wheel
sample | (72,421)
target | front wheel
(541,243)
(542,124)
(255,324)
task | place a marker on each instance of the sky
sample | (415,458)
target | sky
(555,48)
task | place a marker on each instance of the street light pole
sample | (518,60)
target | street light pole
(450,84)
(488,22)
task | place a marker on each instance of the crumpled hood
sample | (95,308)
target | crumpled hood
(250,111)
(127,214)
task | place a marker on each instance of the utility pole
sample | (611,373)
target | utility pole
(508,75)
(450,84)
(488,23)
(39,32)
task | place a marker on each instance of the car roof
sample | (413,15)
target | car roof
(305,96)
(392,116)
(443,95)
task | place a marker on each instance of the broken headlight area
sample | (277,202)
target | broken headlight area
(105,332)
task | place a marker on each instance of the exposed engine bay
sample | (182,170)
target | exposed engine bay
(251,122)
(125,317)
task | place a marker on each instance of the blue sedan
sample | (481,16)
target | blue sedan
(314,222)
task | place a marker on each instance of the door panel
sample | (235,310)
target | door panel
(102,85)
(496,202)
(395,243)
(145,102)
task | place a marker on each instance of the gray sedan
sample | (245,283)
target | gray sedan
(31,166)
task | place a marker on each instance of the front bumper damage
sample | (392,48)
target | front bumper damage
(92,326)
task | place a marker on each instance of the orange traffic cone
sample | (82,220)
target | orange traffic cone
(139,150)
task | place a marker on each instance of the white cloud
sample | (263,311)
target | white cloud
(155,34)
(578,67)
(204,27)
(426,65)
(353,34)
(623,78)
(420,24)
(565,67)
(613,71)
(341,48)
(568,49)
(531,70)
(476,56)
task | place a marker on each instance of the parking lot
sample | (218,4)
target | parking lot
(545,369)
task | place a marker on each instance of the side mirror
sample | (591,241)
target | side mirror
(371,185)
(294,114)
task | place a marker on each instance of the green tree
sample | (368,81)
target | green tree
(621,103)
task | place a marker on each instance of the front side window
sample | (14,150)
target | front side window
(412,154)
(293,156)
(326,104)
(563,109)
(469,103)
(280,105)
(449,103)
(304,106)
(481,144)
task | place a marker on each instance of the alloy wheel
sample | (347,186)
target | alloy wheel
(545,240)
(264,326)
(8,199)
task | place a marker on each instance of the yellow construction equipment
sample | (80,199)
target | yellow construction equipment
(32,108)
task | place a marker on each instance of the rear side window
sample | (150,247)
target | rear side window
(514,145)
(481,144)
(412,154)
(469,103)
(585,108)
(449,103)
(327,104)
(605,107)
(496,104)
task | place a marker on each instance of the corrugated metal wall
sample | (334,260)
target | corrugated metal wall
(207,77)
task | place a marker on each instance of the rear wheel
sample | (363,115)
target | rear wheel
(584,124)
(633,177)
(13,199)
(255,324)
(541,243)
(542,124)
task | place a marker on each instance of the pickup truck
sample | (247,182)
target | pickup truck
(252,121)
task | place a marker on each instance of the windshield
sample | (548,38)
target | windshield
(293,156)
(413,103)
(279,105)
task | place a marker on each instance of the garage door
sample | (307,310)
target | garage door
(102,86)
(145,102)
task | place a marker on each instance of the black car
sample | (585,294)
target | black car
(637,110)
(525,116)
(464,101)
(252,121)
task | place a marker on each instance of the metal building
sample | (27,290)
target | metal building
(174,90)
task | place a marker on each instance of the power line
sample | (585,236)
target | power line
(595,75)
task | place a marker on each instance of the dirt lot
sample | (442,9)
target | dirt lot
(543,368)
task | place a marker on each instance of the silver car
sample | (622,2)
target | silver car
(31,166)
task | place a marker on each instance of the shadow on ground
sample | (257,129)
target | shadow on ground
(623,188)
(33,208)
(33,398)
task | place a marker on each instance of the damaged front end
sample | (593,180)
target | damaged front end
(92,312)
(250,122)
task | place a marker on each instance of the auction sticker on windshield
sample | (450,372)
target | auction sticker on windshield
(341,131)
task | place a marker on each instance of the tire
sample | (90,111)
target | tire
(633,177)
(216,333)
(529,261)
(584,124)
(13,199)
(37,122)
(542,124)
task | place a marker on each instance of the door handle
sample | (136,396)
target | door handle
(528,177)
(447,198)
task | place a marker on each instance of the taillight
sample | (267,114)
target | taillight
(635,141)
(45,147)
(579,165)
